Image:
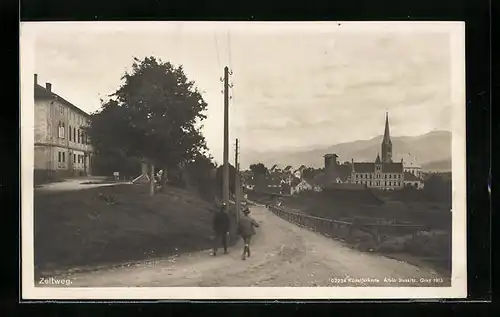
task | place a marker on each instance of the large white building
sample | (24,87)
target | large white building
(384,173)
(61,147)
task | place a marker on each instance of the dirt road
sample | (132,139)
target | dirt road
(77,184)
(283,254)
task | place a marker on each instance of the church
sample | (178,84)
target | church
(383,173)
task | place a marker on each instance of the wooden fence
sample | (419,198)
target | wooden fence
(346,230)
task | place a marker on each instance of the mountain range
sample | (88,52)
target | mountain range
(431,150)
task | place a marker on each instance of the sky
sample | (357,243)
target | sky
(295,86)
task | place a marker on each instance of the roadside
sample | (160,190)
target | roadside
(78,183)
(283,254)
(79,226)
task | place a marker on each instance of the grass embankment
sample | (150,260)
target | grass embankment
(116,224)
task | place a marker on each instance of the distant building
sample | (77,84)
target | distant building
(411,166)
(384,173)
(300,185)
(298,172)
(411,180)
(61,147)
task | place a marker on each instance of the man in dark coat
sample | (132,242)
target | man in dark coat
(221,228)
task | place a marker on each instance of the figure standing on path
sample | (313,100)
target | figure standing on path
(246,229)
(221,228)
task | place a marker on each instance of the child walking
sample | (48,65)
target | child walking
(246,229)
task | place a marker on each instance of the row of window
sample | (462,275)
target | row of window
(75,135)
(72,115)
(371,176)
(379,183)
(62,158)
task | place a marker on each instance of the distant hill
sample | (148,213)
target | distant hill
(432,150)
(437,166)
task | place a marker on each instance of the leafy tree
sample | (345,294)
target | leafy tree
(259,169)
(201,174)
(153,115)
(219,180)
(311,172)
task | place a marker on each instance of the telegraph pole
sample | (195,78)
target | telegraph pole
(237,190)
(225,167)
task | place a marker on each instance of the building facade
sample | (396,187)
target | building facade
(62,149)
(383,173)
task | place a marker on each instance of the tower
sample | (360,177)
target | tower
(386,142)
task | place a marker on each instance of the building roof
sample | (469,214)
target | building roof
(387,135)
(392,167)
(366,167)
(411,165)
(411,178)
(43,93)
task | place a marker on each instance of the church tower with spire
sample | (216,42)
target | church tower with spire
(387,143)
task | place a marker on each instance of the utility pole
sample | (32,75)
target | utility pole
(225,167)
(237,189)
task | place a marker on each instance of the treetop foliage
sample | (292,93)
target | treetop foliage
(152,115)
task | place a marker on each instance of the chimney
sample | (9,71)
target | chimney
(48,86)
(36,79)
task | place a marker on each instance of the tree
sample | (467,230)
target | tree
(219,180)
(258,169)
(153,115)
(438,187)
(201,174)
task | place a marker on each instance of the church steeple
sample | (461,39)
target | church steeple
(386,142)
(387,135)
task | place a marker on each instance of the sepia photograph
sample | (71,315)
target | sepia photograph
(243,160)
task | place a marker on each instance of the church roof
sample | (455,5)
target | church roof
(387,135)
(367,167)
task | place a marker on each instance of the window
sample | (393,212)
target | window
(70,133)
(74,134)
(63,157)
(59,157)
(61,130)
(74,158)
(78,135)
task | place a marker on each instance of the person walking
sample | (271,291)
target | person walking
(221,228)
(246,230)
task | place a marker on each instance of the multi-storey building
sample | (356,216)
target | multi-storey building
(383,173)
(61,147)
